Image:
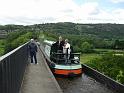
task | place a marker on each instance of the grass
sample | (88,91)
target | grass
(84,58)
(109,50)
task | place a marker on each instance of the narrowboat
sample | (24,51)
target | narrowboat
(63,64)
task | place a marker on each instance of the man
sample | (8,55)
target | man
(33,50)
(60,44)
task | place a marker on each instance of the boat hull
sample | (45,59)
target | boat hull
(69,71)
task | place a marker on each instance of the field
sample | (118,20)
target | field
(84,58)
(102,51)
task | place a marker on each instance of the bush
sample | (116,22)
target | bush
(111,65)
(86,47)
(76,49)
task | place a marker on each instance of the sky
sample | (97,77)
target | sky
(28,12)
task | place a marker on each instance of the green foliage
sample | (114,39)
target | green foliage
(111,65)
(50,36)
(120,76)
(21,40)
(16,39)
(104,31)
(86,47)
(98,35)
(85,57)
(13,35)
(119,44)
(76,48)
(1,47)
(34,35)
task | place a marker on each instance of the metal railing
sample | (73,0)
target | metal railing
(12,68)
(110,83)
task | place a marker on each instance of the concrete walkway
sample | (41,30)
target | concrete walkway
(39,79)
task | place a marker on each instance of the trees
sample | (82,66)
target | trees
(16,39)
(119,44)
(86,47)
(110,65)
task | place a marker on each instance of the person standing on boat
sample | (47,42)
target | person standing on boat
(66,51)
(66,47)
(33,50)
(60,44)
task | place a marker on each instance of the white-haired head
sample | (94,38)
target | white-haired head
(32,40)
(60,38)
(66,40)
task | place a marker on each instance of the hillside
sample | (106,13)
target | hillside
(103,31)
(106,31)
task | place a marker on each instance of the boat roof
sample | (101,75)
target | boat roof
(49,42)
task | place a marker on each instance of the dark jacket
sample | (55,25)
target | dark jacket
(60,45)
(32,47)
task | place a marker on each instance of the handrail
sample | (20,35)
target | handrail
(12,68)
(109,82)
(11,52)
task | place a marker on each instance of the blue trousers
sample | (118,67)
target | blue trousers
(33,55)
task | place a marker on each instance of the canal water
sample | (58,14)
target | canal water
(82,84)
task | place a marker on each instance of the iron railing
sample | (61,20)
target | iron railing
(12,68)
(110,83)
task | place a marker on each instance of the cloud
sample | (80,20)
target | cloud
(44,11)
(119,14)
(90,8)
(36,9)
(117,1)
